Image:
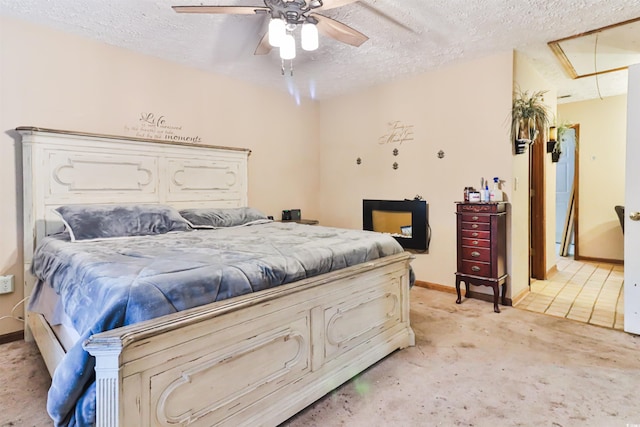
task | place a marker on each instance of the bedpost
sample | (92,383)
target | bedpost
(107,354)
(406,310)
(30,192)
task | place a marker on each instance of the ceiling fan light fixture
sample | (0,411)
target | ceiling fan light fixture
(288,47)
(277,32)
(309,36)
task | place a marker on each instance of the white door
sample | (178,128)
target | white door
(564,180)
(632,205)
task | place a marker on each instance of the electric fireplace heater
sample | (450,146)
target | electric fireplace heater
(406,220)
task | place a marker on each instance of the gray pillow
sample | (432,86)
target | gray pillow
(222,217)
(92,222)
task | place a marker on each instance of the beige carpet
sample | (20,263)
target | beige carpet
(470,367)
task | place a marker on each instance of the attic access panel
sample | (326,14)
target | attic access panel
(604,50)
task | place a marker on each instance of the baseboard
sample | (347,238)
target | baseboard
(522,295)
(551,271)
(13,336)
(605,260)
(435,286)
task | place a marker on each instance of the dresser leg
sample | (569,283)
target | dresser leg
(495,298)
(459,300)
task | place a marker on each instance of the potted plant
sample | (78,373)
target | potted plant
(529,114)
(557,146)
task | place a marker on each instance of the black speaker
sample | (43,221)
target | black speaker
(291,215)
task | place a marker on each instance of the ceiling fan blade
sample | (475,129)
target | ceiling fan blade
(339,31)
(332,4)
(264,47)
(233,10)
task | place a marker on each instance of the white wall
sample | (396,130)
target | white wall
(462,110)
(56,80)
(601,179)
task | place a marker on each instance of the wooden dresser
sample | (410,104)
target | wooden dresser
(482,247)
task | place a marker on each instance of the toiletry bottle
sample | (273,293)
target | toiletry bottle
(496,193)
(484,191)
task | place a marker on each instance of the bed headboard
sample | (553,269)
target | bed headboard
(63,167)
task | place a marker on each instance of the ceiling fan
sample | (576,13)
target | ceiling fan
(285,16)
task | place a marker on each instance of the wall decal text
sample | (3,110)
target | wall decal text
(152,126)
(397,133)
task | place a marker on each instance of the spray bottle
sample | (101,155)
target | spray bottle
(496,194)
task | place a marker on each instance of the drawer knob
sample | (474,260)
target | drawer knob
(475,218)
(475,254)
(474,234)
(475,268)
(474,225)
(475,242)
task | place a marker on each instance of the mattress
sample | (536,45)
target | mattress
(44,300)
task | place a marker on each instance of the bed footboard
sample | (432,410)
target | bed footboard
(257,359)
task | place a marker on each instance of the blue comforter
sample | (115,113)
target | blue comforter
(116,282)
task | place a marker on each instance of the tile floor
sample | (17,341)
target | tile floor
(583,291)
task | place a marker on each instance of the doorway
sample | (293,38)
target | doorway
(585,291)
(538,196)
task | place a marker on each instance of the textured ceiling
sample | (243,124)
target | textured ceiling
(405,37)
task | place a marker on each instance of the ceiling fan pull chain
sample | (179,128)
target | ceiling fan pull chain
(282,67)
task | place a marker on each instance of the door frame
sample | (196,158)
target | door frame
(537,212)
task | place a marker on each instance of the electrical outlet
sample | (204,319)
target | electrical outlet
(6,284)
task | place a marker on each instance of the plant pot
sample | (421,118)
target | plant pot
(550,145)
(520,146)
(555,156)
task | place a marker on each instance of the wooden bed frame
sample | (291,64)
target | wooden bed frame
(257,359)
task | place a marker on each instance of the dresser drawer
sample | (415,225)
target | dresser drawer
(476,254)
(475,218)
(482,207)
(480,226)
(475,234)
(475,268)
(477,243)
